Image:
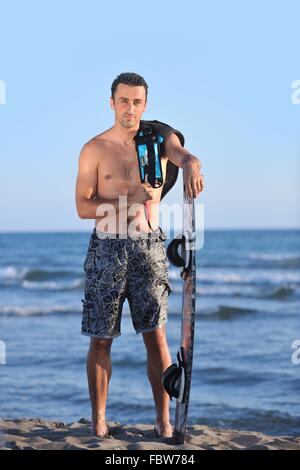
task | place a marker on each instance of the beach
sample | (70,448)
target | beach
(39,434)
(247,318)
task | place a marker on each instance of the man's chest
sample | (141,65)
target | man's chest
(120,167)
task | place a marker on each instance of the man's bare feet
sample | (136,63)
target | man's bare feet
(164,430)
(99,428)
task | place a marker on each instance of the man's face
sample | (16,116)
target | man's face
(129,104)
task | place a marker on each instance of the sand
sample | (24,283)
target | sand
(44,434)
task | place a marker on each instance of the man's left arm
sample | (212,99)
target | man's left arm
(190,164)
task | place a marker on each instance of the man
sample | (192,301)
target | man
(122,262)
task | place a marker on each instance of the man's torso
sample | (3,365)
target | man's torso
(118,175)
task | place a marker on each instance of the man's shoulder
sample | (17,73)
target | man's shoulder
(96,145)
(98,140)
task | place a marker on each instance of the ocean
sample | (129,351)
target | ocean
(247,319)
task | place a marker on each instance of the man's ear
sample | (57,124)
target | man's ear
(112,104)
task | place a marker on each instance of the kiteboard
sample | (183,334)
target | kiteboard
(176,380)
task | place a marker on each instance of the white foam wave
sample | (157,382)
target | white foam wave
(28,310)
(274,256)
(48,285)
(12,272)
(240,277)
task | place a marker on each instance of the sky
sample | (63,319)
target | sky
(220,72)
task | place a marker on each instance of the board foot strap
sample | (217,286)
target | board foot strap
(173,379)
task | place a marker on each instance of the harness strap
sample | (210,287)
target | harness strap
(148,151)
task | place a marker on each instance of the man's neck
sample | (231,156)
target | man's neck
(126,135)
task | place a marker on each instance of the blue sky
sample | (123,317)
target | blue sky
(221,72)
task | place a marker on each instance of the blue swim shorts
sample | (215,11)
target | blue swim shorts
(132,268)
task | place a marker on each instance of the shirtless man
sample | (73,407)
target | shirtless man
(126,267)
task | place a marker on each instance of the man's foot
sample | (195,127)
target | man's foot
(99,428)
(163,430)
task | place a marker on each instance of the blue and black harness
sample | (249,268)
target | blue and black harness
(150,147)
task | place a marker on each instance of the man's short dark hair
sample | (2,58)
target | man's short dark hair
(128,78)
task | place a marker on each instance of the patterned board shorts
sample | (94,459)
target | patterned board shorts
(132,268)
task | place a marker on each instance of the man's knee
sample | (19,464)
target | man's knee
(156,338)
(100,344)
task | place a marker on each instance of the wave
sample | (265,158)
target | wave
(44,275)
(11,272)
(34,274)
(215,276)
(283,260)
(78,284)
(38,310)
(224,312)
(217,290)
(249,278)
(46,279)
(283,292)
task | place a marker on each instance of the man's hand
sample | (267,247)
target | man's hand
(143,193)
(192,177)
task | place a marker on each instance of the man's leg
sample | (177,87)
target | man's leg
(98,366)
(158,360)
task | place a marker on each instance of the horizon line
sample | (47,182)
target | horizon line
(210,229)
